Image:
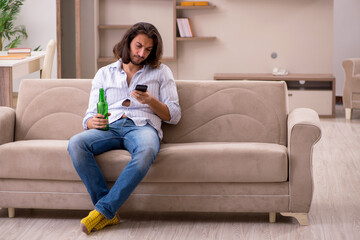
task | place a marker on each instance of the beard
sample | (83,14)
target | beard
(137,60)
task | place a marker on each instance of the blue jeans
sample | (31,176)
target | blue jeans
(141,141)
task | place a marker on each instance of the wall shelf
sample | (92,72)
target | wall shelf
(106,60)
(195,38)
(104,26)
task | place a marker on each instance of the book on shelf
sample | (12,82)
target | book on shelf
(194,3)
(181,28)
(19,51)
(186,3)
(184,27)
(201,3)
(189,32)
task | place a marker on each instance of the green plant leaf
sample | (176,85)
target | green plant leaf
(38,48)
(9,9)
(14,43)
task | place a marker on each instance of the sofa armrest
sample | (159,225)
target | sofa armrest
(7,124)
(303,132)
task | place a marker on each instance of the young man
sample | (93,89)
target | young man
(134,121)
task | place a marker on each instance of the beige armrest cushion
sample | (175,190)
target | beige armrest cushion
(303,132)
(7,124)
(304,117)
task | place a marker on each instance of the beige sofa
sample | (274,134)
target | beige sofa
(236,149)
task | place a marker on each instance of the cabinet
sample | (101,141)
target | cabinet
(315,91)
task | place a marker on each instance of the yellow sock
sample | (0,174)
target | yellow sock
(88,223)
(104,222)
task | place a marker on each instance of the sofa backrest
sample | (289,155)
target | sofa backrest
(230,111)
(51,108)
(212,111)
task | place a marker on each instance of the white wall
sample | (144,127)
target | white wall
(39,18)
(247,32)
(346,37)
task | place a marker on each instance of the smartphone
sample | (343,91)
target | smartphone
(141,88)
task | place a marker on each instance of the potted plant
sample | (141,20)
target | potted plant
(9,9)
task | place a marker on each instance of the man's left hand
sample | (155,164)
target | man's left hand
(142,97)
(155,105)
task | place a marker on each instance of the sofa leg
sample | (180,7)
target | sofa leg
(272,217)
(11,212)
(348,113)
(302,218)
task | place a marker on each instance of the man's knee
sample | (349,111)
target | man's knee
(146,157)
(74,143)
(151,152)
(78,144)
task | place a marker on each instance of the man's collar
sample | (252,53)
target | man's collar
(116,65)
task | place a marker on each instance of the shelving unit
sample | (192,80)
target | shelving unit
(114,17)
(106,60)
(109,19)
(179,8)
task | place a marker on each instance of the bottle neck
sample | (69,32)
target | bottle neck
(101,95)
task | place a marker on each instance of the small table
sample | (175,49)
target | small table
(13,69)
(316,91)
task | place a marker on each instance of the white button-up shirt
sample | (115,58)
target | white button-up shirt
(112,78)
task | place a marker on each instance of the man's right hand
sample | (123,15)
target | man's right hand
(98,121)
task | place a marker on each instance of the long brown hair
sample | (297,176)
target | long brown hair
(122,48)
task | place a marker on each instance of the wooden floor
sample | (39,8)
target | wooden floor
(335,211)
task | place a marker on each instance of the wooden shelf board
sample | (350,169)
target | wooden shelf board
(168,59)
(194,38)
(269,76)
(106,59)
(104,26)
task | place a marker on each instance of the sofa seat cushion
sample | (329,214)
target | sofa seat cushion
(220,162)
(183,162)
(37,159)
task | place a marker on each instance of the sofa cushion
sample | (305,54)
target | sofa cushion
(44,106)
(220,162)
(37,159)
(183,162)
(230,111)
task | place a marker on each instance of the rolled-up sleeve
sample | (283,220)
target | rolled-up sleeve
(169,96)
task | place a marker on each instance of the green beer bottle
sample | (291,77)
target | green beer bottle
(102,107)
